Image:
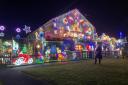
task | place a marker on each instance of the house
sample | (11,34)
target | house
(69,31)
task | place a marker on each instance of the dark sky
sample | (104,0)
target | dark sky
(109,16)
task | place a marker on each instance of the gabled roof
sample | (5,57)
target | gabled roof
(70,21)
(73,19)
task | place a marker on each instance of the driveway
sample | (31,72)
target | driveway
(15,76)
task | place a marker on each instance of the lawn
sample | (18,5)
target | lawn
(1,83)
(110,72)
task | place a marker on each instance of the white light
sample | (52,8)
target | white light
(54,24)
(27,29)
(1,34)
(30,61)
(38,46)
(119,41)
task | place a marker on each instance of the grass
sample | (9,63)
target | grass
(110,72)
(1,83)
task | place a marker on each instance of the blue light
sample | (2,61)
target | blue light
(84,37)
(18,36)
(120,33)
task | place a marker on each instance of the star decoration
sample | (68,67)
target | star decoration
(27,29)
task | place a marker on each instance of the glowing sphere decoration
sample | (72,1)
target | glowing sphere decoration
(18,30)
(2,28)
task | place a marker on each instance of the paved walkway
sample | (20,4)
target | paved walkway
(15,76)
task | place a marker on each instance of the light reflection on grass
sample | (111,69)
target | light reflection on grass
(1,83)
(110,72)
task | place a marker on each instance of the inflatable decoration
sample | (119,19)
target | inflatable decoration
(60,55)
(23,59)
(40,58)
(47,55)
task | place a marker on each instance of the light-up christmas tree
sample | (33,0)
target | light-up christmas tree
(24,49)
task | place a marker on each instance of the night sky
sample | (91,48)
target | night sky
(108,16)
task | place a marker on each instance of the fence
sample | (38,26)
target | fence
(5,60)
(70,55)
